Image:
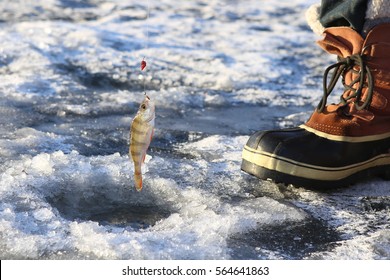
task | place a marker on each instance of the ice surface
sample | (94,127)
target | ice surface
(217,70)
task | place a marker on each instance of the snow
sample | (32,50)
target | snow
(217,70)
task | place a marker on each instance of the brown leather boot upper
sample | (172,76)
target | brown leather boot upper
(363,113)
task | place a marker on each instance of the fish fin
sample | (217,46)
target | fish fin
(151,135)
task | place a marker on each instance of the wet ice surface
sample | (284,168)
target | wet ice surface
(218,70)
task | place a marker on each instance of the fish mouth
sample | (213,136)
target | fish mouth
(151,107)
(147,99)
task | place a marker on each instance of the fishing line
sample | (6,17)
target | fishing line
(146,45)
(147,24)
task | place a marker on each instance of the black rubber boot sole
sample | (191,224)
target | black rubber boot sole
(279,177)
(302,158)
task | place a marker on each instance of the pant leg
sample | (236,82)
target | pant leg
(349,13)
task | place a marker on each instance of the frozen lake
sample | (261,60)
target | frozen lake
(218,71)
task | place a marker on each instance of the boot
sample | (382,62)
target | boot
(340,143)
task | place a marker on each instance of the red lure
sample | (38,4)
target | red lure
(143,64)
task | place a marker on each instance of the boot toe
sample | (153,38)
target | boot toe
(299,157)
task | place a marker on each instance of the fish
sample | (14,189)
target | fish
(141,134)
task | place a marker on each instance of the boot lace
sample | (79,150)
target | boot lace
(343,66)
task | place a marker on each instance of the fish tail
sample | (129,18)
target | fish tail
(138,180)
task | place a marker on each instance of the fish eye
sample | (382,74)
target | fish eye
(143,106)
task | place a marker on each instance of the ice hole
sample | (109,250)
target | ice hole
(136,217)
(106,212)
